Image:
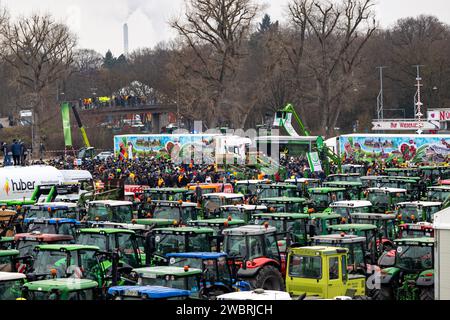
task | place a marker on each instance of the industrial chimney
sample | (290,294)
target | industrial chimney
(125,39)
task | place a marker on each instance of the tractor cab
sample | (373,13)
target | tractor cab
(59,210)
(218,225)
(249,187)
(182,278)
(372,181)
(386,224)
(416,230)
(411,184)
(27,242)
(121,241)
(162,241)
(291,227)
(147,293)
(417,211)
(212,202)
(322,272)
(357,261)
(410,275)
(354,168)
(167,194)
(110,210)
(285,204)
(11,285)
(6,243)
(346,208)
(303,184)
(64,261)
(322,197)
(240,212)
(354,190)
(384,199)
(343,177)
(256,252)
(368,231)
(63,226)
(207,188)
(61,289)
(402,172)
(434,174)
(166,213)
(277,190)
(438,193)
(10,222)
(218,275)
(8,260)
(319,222)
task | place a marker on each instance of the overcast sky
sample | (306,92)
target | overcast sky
(99,23)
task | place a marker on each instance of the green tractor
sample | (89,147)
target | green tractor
(243,212)
(438,193)
(277,190)
(411,276)
(347,208)
(110,210)
(354,190)
(286,204)
(167,213)
(11,285)
(218,225)
(292,228)
(417,211)
(125,243)
(8,260)
(61,289)
(6,243)
(303,184)
(384,199)
(322,197)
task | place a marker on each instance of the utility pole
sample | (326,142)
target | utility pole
(380,98)
(417,100)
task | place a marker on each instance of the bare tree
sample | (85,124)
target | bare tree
(331,39)
(41,52)
(213,32)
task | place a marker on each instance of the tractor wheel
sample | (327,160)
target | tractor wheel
(268,278)
(385,293)
(427,293)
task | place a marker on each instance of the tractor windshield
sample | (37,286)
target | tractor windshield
(42,228)
(237,246)
(269,193)
(5,264)
(235,214)
(414,258)
(415,233)
(184,283)
(10,290)
(38,213)
(410,214)
(26,247)
(48,260)
(170,213)
(438,195)
(309,267)
(430,211)
(93,239)
(169,243)
(378,198)
(122,214)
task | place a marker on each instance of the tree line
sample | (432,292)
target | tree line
(231,65)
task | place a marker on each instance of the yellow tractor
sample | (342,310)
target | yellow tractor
(321,272)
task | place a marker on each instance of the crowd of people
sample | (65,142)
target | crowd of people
(114,101)
(15,153)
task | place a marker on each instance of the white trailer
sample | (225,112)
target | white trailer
(442,255)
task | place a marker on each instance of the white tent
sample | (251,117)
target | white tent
(442,255)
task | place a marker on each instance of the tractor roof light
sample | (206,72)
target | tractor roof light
(175,222)
(133,221)
(53,273)
(342,234)
(266,225)
(186,268)
(226,224)
(49,209)
(229,218)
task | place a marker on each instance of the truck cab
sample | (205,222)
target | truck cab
(321,272)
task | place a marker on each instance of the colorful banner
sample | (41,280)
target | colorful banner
(411,148)
(65,112)
(314,162)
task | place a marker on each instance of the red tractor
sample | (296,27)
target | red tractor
(255,250)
